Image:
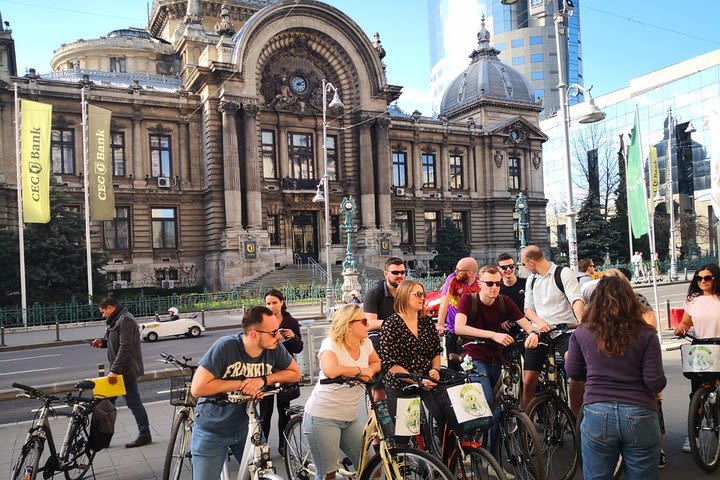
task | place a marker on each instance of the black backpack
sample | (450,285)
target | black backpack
(102,425)
(558,283)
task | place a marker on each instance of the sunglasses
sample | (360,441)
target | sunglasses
(398,272)
(491,283)
(272,333)
(418,294)
(704,278)
(363,321)
(507,267)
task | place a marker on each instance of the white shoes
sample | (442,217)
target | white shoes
(686,445)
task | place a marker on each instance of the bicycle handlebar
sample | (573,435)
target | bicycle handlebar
(167,358)
(709,340)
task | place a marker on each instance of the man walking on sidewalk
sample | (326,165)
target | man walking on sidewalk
(122,339)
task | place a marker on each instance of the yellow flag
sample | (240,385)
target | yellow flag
(654,173)
(35,125)
(102,197)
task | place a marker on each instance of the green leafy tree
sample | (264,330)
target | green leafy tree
(55,265)
(451,247)
(594,234)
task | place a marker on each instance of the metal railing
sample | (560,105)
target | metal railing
(317,269)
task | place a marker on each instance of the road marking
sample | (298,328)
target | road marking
(31,371)
(30,358)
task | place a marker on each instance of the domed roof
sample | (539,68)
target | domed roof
(486,78)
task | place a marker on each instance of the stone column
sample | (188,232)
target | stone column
(137,156)
(444,169)
(183,157)
(384,171)
(416,164)
(252,167)
(367,175)
(282,153)
(231,164)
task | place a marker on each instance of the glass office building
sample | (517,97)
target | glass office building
(526,42)
(687,97)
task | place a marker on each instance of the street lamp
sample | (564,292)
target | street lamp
(325,183)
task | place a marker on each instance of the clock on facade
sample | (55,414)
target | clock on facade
(298,84)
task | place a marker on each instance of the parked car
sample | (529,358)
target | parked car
(188,326)
(432,303)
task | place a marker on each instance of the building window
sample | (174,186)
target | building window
(268,153)
(62,146)
(518,60)
(537,75)
(516,43)
(273,228)
(404,226)
(160,157)
(117,65)
(456,171)
(536,57)
(561,233)
(166,274)
(399,160)
(536,40)
(335,233)
(431,227)
(428,170)
(460,221)
(164,228)
(514,173)
(331,147)
(500,46)
(117,148)
(300,152)
(116,232)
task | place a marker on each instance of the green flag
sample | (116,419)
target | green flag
(637,202)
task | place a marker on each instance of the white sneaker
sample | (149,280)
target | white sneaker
(686,445)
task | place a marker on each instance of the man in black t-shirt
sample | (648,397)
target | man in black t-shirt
(513,286)
(379,302)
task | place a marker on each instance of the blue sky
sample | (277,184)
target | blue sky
(621,39)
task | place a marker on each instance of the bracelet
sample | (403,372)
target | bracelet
(535,332)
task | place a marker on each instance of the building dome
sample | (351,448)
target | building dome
(486,78)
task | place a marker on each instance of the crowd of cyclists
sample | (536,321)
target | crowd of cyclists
(612,359)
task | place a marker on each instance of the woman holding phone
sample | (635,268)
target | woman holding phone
(292,341)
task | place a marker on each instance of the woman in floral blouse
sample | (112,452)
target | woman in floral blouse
(409,344)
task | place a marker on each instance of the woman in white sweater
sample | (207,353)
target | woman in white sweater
(331,422)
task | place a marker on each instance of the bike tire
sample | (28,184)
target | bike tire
(560,440)
(80,456)
(29,459)
(520,451)
(178,459)
(479,464)
(407,463)
(704,428)
(298,458)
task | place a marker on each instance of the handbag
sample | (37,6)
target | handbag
(291,391)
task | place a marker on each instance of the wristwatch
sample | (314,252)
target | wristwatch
(535,332)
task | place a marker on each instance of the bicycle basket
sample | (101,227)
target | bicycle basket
(701,361)
(180,395)
(464,407)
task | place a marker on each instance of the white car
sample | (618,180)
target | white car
(171,328)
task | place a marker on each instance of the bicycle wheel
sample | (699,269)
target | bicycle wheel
(26,467)
(519,448)
(477,464)
(178,460)
(704,427)
(79,456)
(557,431)
(298,459)
(406,463)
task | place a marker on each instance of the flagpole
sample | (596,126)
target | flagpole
(21,223)
(651,227)
(671,199)
(624,149)
(86,183)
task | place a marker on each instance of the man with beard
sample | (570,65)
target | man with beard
(379,301)
(464,280)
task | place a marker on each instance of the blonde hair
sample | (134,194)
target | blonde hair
(402,297)
(340,327)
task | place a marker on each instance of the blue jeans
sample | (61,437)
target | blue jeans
(133,402)
(209,451)
(324,436)
(609,429)
(488,380)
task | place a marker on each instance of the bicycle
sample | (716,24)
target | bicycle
(550,413)
(391,462)
(701,362)
(178,459)
(75,457)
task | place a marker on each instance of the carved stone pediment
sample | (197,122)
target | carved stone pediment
(517,134)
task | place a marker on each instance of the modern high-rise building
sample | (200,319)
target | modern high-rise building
(525,38)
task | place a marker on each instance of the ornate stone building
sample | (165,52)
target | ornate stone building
(217,141)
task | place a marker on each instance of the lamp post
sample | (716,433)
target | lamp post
(670,197)
(325,197)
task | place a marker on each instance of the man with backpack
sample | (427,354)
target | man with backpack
(552,297)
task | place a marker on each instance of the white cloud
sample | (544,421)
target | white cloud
(416,99)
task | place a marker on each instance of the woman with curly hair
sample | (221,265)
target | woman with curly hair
(702,305)
(618,355)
